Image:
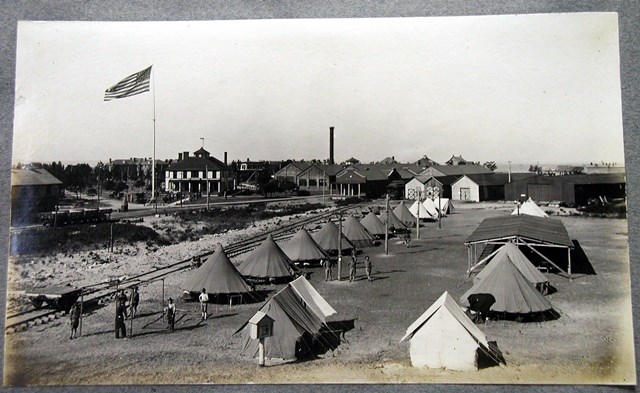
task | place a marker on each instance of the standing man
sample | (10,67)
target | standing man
(352,268)
(74,315)
(204,299)
(328,274)
(135,300)
(121,314)
(367,267)
(171,314)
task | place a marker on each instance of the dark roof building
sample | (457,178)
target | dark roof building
(33,190)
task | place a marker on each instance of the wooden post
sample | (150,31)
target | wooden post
(418,216)
(81,308)
(162,304)
(206,176)
(439,212)
(386,227)
(111,237)
(131,314)
(340,247)
(569,257)
(55,217)
(261,352)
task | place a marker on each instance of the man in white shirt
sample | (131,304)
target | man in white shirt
(204,299)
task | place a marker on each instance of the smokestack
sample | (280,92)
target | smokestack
(225,158)
(330,145)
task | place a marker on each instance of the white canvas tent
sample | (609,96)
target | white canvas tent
(529,207)
(423,212)
(431,207)
(312,298)
(444,337)
(446,206)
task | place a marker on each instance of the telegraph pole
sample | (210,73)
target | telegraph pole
(340,247)
(206,176)
(386,227)
(418,214)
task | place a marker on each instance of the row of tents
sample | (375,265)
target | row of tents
(270,262)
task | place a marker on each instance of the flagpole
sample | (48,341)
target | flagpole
(153,163)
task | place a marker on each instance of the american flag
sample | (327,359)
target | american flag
(130,86)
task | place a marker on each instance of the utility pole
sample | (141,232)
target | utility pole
(418,214)
(386,226)
(340,247)
(206,176)
(324,184)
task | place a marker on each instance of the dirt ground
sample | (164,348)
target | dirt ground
(591,342)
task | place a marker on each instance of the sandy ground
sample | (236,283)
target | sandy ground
(590,343)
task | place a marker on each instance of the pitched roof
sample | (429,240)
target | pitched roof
(267,261)
(447,180)
(546,230)
(490,179)
(198,164)
(449,170)
(32,177)
(302,247)
(217,275)
(512,291)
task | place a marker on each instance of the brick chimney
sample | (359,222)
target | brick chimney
(185,155)
(225,158)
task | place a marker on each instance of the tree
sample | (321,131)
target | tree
(491,165)
(77,178)
(264,178)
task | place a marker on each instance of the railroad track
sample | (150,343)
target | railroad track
(102,292)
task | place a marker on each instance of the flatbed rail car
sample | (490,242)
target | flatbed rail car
(57,297)
(75,216)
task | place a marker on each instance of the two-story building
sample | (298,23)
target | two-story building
(198,174)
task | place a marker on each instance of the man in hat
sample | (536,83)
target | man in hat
(135,300)
(171,314)
(121,314)
(74,316)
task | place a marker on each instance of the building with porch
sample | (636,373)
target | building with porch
(200,173)
(33,190)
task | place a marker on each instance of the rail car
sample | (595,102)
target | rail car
(75,216)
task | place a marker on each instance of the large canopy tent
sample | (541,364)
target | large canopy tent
(404,215)
(372,223)
(534,233)
(431,207)
(511,252)
(445,337)
(417,206)
(293,329)
(268,262)
(312,298)
(302,248)
(328,238)
(529,207)
(511,290)
(217,275)
(356,233)
(394,222)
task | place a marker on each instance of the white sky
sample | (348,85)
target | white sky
(521,88)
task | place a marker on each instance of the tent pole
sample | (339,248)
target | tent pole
(569,258)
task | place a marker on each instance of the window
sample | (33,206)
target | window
(194,174)
(313,182)
(302,182)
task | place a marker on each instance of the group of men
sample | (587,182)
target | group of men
(328,267)
(121,311)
